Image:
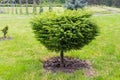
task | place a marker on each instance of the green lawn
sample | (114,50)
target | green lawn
(21,58)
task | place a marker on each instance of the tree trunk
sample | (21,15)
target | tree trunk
(62,58)
(34,7)
(20,6)
(50,5)
(0,8)
(8,8)
(41,7)
(12,5)
(4,35)
(16,8)
(27,7)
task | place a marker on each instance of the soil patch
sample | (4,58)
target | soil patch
(71,64)
(7,38)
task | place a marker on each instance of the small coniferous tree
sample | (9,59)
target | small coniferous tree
(5,31)
(75,4)
(64,32)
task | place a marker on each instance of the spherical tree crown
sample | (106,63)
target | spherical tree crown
(75,4)
(65,31)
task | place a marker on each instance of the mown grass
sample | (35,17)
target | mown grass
(103,9)
(21,58)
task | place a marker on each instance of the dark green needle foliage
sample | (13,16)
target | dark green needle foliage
(5,31)
(75,4)
(66,31)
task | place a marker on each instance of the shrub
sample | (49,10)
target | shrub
(66,31)
(75,4)
(5,31)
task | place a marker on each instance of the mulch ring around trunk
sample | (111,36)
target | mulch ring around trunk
(7,38)
(70,66)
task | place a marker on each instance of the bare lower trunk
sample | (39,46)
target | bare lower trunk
(4,35)
(62,58)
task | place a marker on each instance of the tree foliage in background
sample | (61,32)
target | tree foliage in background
(115,3)
(64,32)
(75,4)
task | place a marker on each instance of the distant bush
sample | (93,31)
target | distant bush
(114,3)
(65,31)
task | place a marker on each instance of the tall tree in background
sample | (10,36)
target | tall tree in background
(62,1)
(12,5)
(16,9)
(20,2)
(41,7)
(8,3)
(0,7)
(27,12)
(34,7)
(50,4)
